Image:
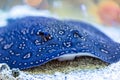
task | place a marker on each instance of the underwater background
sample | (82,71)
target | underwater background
(104,14)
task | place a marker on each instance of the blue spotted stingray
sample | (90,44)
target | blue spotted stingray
(33,41)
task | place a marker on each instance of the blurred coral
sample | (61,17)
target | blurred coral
(38,4)
(33,2)
(109,12)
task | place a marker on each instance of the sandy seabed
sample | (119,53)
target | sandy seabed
(108,73)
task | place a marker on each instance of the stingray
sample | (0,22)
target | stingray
(32,41)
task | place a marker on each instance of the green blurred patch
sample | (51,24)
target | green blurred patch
(79,63)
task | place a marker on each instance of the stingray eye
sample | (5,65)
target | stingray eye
(76,34)
(41,33)
(45,36)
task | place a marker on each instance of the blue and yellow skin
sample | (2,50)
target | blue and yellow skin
(33,41)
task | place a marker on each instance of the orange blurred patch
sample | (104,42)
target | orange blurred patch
(33,3)
(109,12)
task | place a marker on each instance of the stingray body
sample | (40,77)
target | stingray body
(33,41)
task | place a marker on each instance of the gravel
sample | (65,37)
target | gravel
(109,73)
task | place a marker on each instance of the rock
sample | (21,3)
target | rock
(13,74)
